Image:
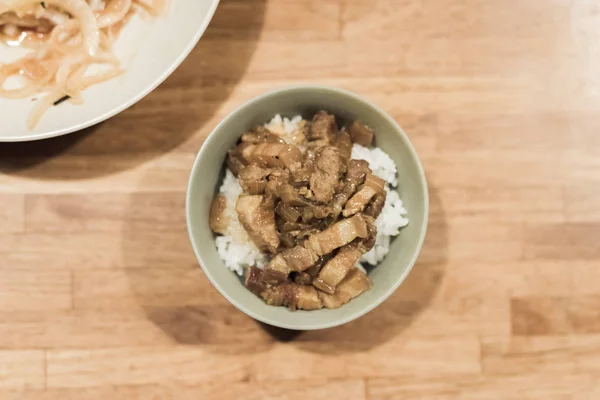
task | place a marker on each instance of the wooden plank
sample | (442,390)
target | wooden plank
(91,250)
(462,19)
(517,278)
(493,169)
(133,288)
(22,369)
(218,327)
(470,37)
(12,213)
(527,386)
(561,241)
(33,290)
(194,365)
(563,354)
(284,390)
(101,173)
(555,315)
(581,202)
(484,204)
(462,240)
(487,241)
(287,21)
(264,60)
(143,365)
(580,166)
(585,277)
(409,358)
(150,211)
(484,131)
(67,329)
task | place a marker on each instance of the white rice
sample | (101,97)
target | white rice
(380,163)
(393,214)
(237,250)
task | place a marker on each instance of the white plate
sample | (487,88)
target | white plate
(150,50)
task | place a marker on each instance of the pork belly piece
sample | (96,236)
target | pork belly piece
(272,155)
(261,134)
(293,296)
(337,268)
(218,221)
(373,185)
(253,179)
(355,176)
(353,285)
(296,259)
(376,205)
(337,235)
(323,128)
(235,162)
(361,134)
(329,168)
(302,278)
(257,216)
(255,281)
(344,144)
(277,270)
(291,196)
(299,258)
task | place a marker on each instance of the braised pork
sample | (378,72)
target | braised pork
(329,166)
(261,135)
(253,179)
(313,210)
(373,185)
(367,243)
(255,281)
(235,161)
(337,235)
(277,270)
(375,207)
(344,144)
(323,128)
(361,134)
(218,221)
(297,258)
(337,268)
(355,176)
(272,155)
(302,278)
(293,296)
(287,212)
(354,284)
(257,216)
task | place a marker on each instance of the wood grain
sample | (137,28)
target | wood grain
(101,296)
(293,390)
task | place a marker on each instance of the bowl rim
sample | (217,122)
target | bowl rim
(422,180)
(125,105)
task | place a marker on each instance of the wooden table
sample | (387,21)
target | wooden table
(101,296)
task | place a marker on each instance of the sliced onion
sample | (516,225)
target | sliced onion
(42,105)
(114,12)
(80,9)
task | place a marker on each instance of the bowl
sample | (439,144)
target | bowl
(208,170)
(149,50)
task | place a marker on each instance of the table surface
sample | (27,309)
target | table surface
(100,293)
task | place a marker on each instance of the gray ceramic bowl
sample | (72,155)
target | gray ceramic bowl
(306,100)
